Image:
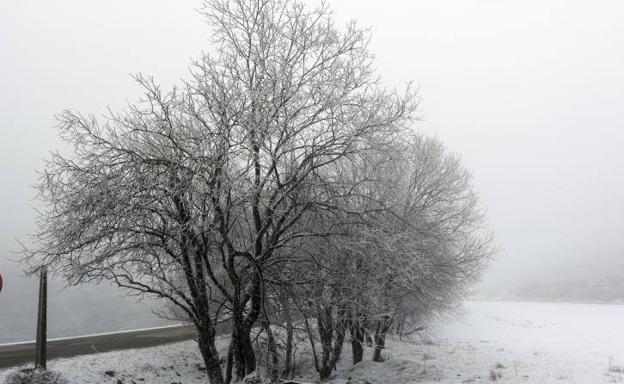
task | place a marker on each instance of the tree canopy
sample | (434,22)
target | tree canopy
(281,169)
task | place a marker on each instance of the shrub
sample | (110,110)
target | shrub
(495,375)
(35,376)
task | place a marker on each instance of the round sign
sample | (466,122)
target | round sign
(0,283)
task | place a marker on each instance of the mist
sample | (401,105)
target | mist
(529,93)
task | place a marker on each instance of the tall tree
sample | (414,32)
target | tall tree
(189,195)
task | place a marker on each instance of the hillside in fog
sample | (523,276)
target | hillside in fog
(596,279)
(609,289)
(71,311)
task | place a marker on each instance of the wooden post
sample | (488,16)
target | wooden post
(40,358)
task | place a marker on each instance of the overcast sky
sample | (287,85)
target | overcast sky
(529,92)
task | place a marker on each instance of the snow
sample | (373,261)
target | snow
(512,342)
(170,363)
(529,342)
(536,342)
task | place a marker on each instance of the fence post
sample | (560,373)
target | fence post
(40,358)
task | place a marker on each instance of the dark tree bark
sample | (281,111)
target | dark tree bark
(357,341)
(206,342)
(229,366)
(238,350)
(383,326)
(42,320)
(332,340)
(272,355)
(290,331)
(243,352)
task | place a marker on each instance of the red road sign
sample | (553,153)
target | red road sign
(0,283)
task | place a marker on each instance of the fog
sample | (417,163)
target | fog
(528,92)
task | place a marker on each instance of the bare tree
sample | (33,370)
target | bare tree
(189,195)
(412,241)
(433,242)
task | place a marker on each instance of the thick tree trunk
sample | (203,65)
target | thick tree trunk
(239,353)
(243,352)
(333,354)
(206,341)
(248,352)
(330,334)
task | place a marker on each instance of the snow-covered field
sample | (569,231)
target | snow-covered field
(509,342)
(535,342)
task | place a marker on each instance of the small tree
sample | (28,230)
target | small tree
(412,242)
(433,242)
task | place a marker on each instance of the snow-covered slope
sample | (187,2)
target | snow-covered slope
(508,342)
(519,343)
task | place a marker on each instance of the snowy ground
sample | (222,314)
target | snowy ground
(535,342)
(514,342)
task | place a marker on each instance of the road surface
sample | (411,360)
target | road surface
(23,353)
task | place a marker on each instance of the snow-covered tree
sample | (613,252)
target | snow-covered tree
(430,244)
(189,195)
(410,242)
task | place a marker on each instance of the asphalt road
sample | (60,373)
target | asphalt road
(23,353)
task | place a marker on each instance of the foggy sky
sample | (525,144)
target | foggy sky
(530,93)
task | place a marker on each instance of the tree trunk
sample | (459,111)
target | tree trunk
(244,355)
(288,366)
(272,355)
(42,320)
(229,366)
(238,353)
(401,327)
(357,342)
(330,360)
(248,352)
(380,344)
(325,372)
(206,341)
(330,334)
(380,337)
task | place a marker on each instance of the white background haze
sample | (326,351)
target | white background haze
(530,93)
